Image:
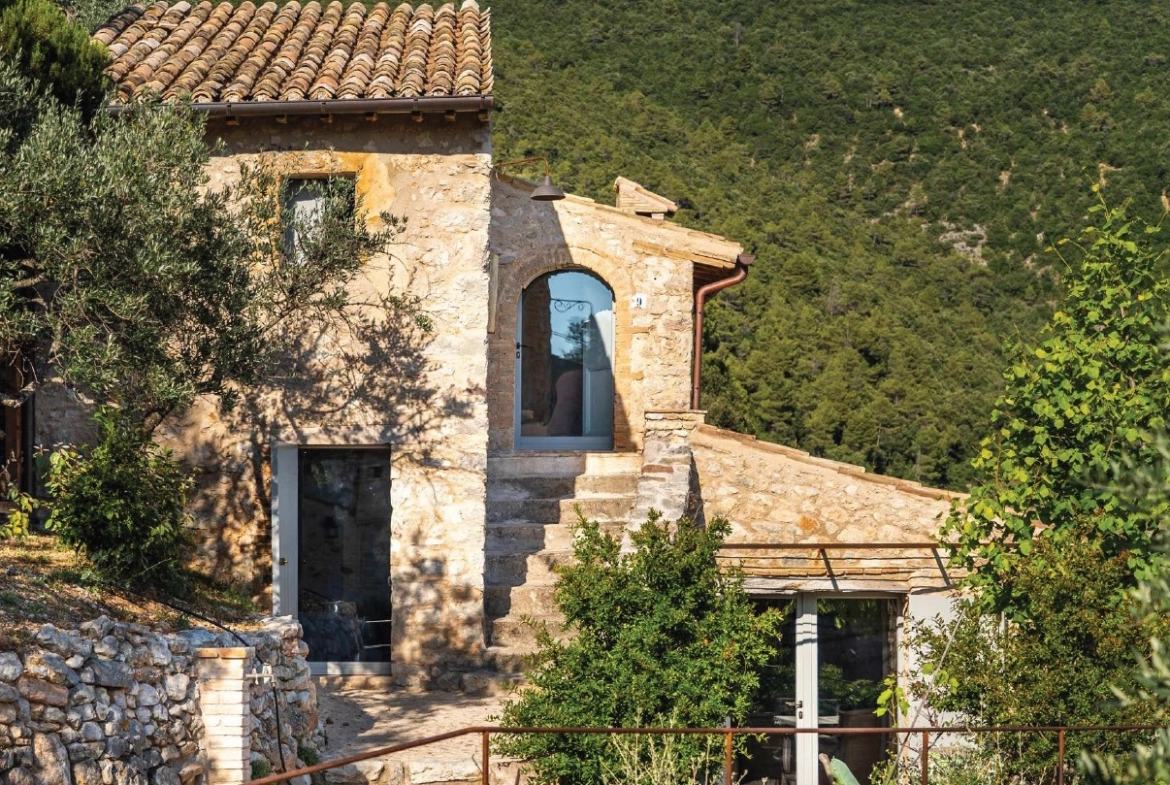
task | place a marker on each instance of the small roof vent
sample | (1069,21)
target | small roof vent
(633,198)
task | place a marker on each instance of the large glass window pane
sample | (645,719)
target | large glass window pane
(773,758)
(343,579)
(854,645)
(565,346)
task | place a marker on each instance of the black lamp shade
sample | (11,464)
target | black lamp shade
(547,192)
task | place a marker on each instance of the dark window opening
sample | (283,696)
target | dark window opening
(15,426)
(310,202)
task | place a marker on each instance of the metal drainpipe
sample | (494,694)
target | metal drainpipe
(741,263)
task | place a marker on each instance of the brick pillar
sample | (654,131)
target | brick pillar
(226,711)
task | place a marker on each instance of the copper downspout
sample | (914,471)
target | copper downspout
(741,264)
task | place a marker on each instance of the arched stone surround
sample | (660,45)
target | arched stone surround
(513,278)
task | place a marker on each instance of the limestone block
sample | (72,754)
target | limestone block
(38,691)
(10,667)
(49,667)
(52,758)
(109,673)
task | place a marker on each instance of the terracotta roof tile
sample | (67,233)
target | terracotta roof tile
(217,52)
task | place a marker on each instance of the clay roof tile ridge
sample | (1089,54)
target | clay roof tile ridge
(215,51)
(209,44)
(271,29)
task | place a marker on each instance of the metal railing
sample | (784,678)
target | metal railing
(924,734)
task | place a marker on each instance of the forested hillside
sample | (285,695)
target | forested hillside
(898,168)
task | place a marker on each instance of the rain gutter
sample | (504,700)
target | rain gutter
(741,270)
(340,106)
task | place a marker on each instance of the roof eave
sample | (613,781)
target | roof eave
(340,106)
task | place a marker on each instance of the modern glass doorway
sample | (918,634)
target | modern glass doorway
(564,363)
(833,655)
(331,522)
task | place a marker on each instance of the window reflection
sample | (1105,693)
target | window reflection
(343,580)
(566,351)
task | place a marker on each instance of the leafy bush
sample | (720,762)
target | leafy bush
(659,632)
(1145,485)
(121,504)
(1095,389)
(1058,667)
(1149,761)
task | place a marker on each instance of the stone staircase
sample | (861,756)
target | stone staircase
(532,503)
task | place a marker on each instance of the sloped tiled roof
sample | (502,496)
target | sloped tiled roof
(210,53)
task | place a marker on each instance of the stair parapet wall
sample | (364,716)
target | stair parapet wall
(667,479)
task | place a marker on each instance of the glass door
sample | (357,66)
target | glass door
(827,671)
(855,653)
(343,554)
(564,364)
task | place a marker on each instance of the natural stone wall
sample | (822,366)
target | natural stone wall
(115,703)
(773,494)
(384,383)
(633,255)
(668,482)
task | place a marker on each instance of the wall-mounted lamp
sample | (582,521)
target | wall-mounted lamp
(546,191)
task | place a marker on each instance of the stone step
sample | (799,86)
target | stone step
(493,682)
(512,631)
(516,600)
(523,536)
(610,507)
(523,569)
(563,464)
(518,488)
(509,659)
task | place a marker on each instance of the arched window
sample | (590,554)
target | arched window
(564,363)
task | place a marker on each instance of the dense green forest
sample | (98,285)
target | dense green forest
(899,168)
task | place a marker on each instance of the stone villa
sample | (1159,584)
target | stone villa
(408,504)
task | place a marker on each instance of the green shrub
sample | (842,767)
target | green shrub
(260,768)
(121,504)
(1059,667)
(309,755)
(659,631)
(38,38)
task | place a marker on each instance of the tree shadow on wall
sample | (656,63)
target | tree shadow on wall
(362,377)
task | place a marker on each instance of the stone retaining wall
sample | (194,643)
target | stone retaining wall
(115,703)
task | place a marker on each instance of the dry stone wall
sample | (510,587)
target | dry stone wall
(113,703)
(773,494)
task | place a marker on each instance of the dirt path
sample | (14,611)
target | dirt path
(360,720)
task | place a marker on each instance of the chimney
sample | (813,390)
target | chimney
(634,199)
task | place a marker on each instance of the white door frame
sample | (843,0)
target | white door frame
(807,689)
(286,536)
(285,539)
(807,686)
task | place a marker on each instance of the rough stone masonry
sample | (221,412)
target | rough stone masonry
(118,704)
